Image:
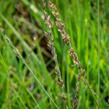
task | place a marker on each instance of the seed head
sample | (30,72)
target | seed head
(66,40)
(74,56)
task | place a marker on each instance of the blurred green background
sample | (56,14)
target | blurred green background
(32,86)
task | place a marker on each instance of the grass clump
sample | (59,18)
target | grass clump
(54,54)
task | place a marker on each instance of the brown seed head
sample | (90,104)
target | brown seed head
(66,40)
(74,56)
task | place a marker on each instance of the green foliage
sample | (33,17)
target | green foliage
(26,83)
